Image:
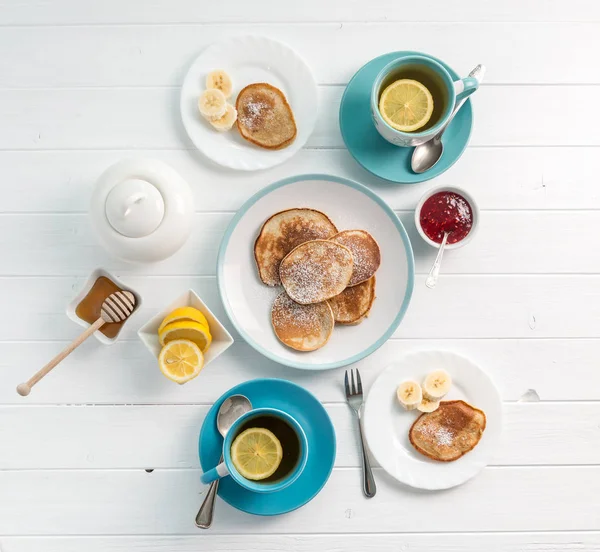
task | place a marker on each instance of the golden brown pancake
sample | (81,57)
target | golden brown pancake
(449,432)
(365,253)
(316,271)
(265,117)
(285,231)
(353,305)
(301,327)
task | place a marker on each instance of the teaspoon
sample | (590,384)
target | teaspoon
(435,269)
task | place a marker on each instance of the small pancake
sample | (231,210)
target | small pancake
(265,117)
(316,271)
(353,305)
(301,327)
(365,253)
(449,432)
(285,231)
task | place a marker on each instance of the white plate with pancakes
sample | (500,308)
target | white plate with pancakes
(387,424)
(247,60)
(348,205)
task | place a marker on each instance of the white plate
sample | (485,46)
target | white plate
(387,424)
(249,59)
(349,205)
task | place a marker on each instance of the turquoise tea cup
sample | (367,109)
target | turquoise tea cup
(436,79)
(293,442)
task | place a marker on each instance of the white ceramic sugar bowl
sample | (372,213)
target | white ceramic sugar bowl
(142,210)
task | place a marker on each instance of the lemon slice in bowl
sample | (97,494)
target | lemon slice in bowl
(186,329)
(181,360)
(256,453)
(406,105)
(184,313)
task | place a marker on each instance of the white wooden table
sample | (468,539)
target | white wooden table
(102,455)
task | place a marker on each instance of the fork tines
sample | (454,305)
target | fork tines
(118,306)
(353,385)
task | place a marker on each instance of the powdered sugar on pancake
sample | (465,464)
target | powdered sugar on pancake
(316,271)
(302,327)
(365,253)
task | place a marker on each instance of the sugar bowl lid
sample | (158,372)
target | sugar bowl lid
(142,210)
(135,208)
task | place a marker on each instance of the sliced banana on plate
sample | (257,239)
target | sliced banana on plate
(220,80)
(436,385)
(409,394)
(227,121)
(427,405)
(212,104)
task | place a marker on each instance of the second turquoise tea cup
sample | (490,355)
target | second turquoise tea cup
(433,76)
(293,441)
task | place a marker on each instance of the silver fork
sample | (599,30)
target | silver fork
(354,396)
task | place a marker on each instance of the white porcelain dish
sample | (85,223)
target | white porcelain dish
(222,339)
(72,306)
(249,59)
(350,206)
(387,424)
(141,210)
(474,209)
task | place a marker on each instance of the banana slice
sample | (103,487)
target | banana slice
(227,121)
(409,394)
(428,406)
(212,104)
(436,385)
(220,80)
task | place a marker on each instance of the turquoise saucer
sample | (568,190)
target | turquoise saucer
(313,418)
(375,154)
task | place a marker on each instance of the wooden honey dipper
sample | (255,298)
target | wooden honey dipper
(117,307)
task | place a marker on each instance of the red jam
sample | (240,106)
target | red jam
(446,212)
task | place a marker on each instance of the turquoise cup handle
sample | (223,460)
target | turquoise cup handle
(214,474)
(465,87)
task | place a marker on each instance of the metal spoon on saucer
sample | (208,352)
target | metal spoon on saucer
(435,269)
(426,155)
(231,409)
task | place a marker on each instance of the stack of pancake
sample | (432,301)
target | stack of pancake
(327,275)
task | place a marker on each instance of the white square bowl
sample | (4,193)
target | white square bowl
(72,306)
(222,339)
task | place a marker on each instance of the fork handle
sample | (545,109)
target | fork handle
(369,487)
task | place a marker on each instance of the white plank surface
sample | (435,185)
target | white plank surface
(136,502)
(572,541)
(83,85)
(69,12)
(159,55)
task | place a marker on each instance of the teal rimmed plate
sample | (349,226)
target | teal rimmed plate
(350,205)
(376,155)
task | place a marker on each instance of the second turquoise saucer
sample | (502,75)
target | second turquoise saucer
(310,414)
(375,154)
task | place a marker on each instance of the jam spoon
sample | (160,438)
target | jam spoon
(435,269)
(117,307)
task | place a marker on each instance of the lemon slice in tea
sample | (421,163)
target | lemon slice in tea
(256,453)
(406,105)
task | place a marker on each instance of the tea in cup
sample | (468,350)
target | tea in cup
(413,97)
(265,450)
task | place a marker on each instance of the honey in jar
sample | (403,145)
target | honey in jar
(89,307)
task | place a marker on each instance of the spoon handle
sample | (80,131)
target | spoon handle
(204,516)
(435,269)
(25,388)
